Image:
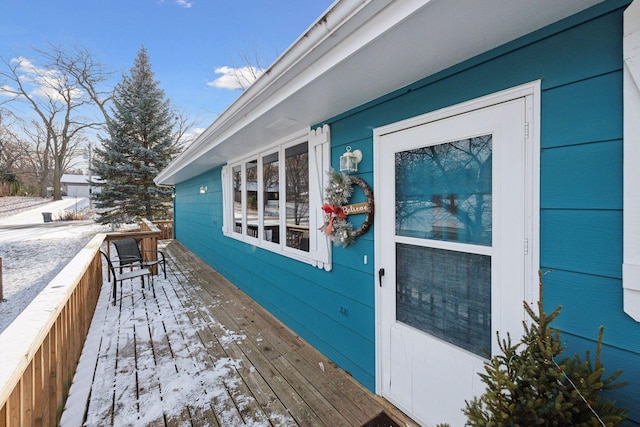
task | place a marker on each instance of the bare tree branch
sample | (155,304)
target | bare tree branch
(61,93)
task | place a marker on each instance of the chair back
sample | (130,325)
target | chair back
(128,251)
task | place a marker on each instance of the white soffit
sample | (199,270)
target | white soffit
(356,52)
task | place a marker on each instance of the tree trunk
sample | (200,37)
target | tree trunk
(56,180)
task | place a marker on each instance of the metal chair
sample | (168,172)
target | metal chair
(129,254)
(119,276)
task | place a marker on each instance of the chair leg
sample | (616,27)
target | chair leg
(115,286)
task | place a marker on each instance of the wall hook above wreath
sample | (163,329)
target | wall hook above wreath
(337,209)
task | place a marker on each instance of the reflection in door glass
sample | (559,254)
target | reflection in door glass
(443,192)
(446,294)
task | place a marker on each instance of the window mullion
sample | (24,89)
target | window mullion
(260,196)
(282,185)
(244,199)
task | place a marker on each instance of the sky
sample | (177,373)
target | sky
(189,42)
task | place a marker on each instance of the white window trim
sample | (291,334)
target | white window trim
(318,140)
(319,165)
(631,172)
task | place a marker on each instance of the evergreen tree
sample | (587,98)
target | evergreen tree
(140,143)
(529,385)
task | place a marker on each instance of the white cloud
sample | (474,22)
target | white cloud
(6,90)
(43,82)
(184,3)
(235,78)
(189,137)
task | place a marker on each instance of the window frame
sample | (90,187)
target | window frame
(319,253)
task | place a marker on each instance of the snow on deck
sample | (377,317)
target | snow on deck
(195,351)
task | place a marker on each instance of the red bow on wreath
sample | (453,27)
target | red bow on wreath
(333,211)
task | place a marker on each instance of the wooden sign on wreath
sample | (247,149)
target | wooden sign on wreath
(337,209)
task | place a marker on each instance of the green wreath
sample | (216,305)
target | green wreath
(338,193)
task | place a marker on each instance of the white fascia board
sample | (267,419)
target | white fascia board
(631,172)
(325,66)
(311,55)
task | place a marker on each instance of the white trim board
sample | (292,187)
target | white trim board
(631,172)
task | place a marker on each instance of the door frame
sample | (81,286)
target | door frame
(532,92)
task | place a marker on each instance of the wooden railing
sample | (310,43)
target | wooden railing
(166,228)
(41,348)
(147,238)
(39,351)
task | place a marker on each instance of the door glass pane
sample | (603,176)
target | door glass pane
(237,198)
(297,197)
(252,198)
(446,294)
(271,183)
(443,191)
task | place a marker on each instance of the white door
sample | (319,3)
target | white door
(451,253)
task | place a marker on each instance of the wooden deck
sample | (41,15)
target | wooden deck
(201,353)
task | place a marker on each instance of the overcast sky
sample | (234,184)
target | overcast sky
(192,44)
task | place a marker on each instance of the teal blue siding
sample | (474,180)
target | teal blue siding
(579,64)
(570,117)
(594,166)
(331,310)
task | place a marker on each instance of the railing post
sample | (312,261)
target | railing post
(1,294)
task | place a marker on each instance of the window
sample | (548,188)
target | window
(272,198)
(443,192)
(251,173)
(297,196)
(237,198)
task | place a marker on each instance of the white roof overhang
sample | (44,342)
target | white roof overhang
(358,51)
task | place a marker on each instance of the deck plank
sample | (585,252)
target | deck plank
(173,363)
(236,308)
(148,385)
(100,404)
(332,394)
(125,406)
(194,350)
(212,357)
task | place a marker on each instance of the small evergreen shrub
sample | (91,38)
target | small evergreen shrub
(530,385)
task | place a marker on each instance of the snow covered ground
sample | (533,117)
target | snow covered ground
(33,252)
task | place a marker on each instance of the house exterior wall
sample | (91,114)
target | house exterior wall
(579,63)
(78,190)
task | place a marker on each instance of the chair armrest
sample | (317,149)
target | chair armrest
(156,252)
